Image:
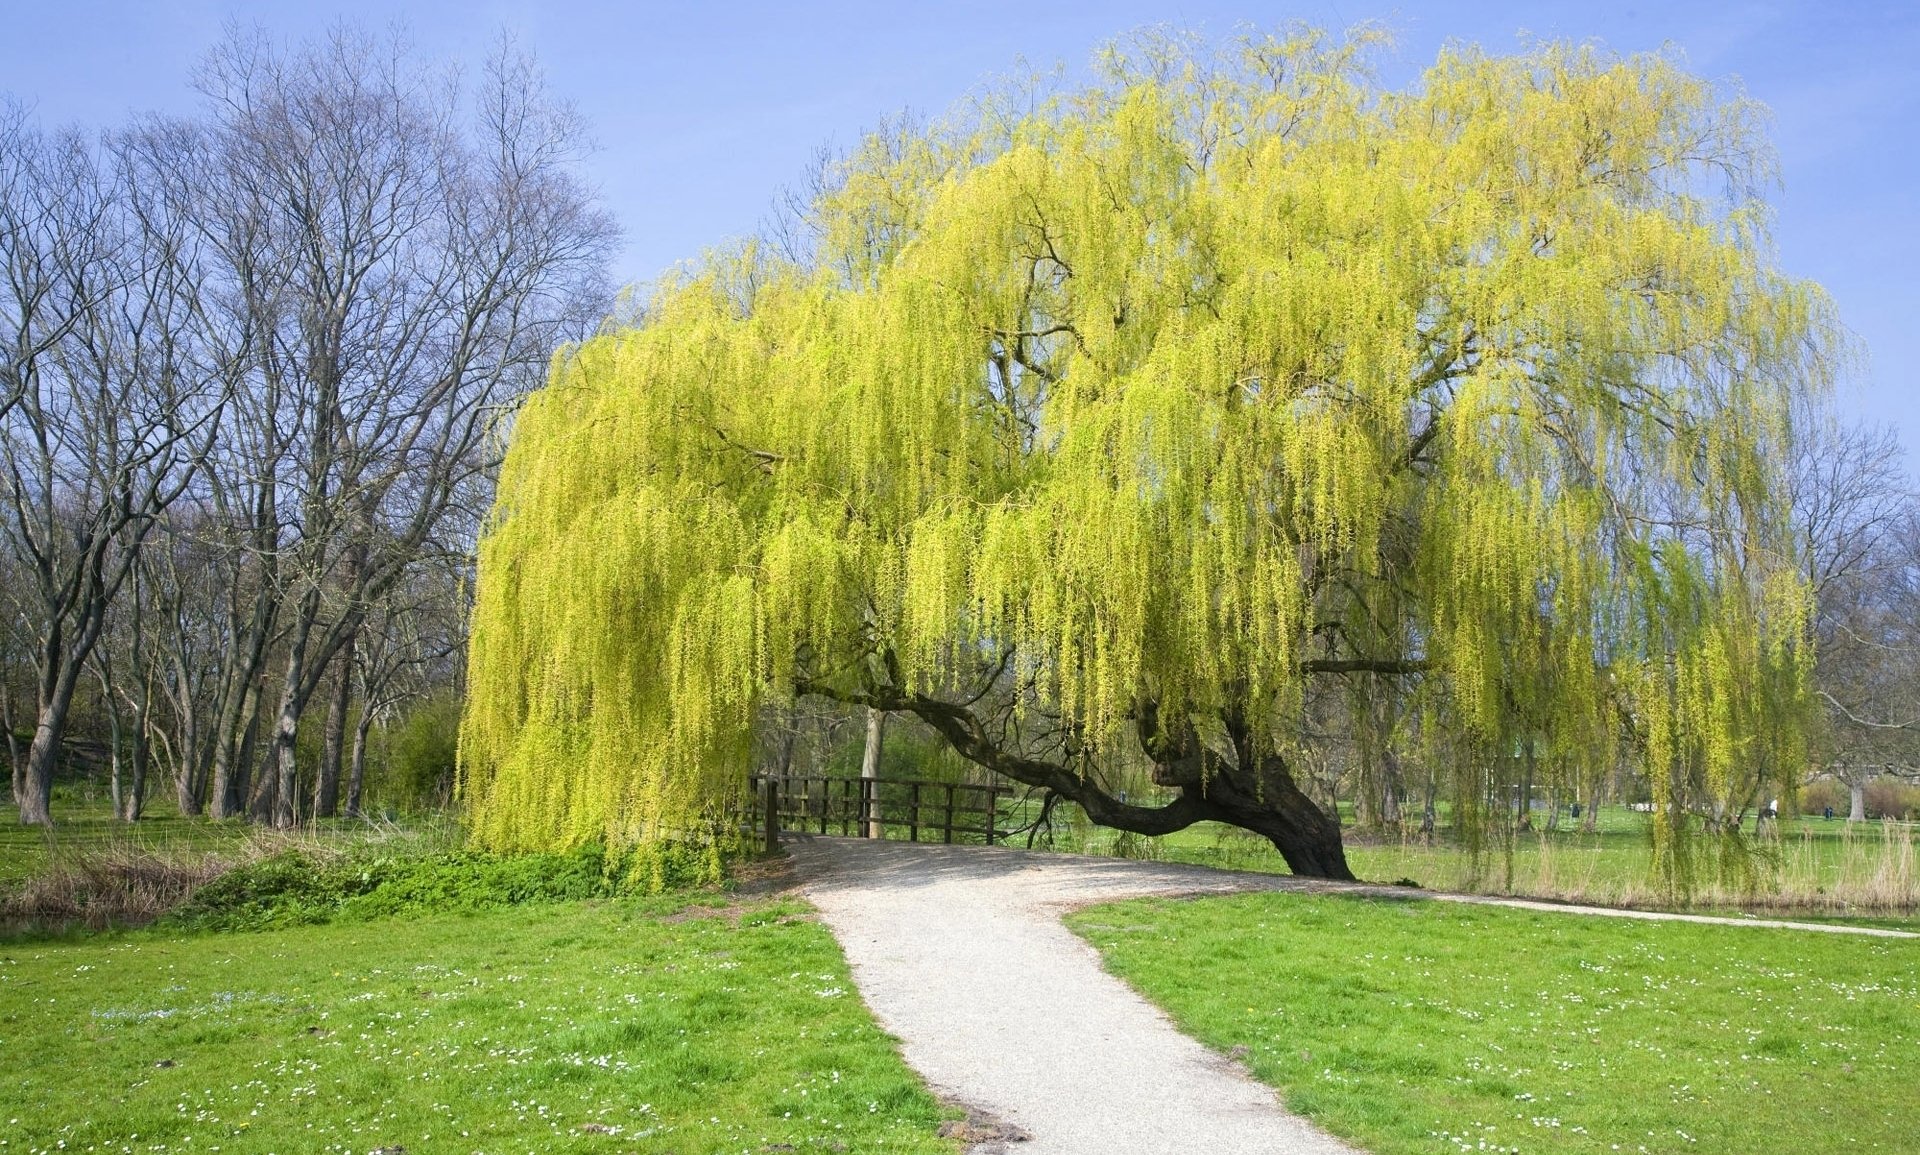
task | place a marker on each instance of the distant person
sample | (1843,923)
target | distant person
(1829,813)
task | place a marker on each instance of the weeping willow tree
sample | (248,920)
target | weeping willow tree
(1110,424)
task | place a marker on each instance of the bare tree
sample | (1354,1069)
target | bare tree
(107,417)
(424,267)
(1860,538)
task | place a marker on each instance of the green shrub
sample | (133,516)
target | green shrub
(294,887)
(421,751)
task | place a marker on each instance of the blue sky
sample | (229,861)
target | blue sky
(703,111)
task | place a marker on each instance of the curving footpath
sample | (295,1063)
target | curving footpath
(960,952)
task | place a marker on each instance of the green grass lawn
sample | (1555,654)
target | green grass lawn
(1424,1027)
(669,1025)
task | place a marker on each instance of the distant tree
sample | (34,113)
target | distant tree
(1100,427)
(1859,519)
(393,267)
(106,413)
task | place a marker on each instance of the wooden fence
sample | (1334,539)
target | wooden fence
(854,806)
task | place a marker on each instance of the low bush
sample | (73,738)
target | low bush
(299,887)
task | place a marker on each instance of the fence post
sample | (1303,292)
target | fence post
(993,811)
(773,815)
(949,831)
(913,822)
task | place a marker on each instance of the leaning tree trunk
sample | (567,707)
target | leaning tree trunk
(1255,791)
(357,776)
(240,775)
(36,787)
(59,679)
(233,751)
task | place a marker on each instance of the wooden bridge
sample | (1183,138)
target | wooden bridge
(927,810)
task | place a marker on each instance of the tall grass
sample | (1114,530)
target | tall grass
(101,875)
(1861,868)
(1838,868)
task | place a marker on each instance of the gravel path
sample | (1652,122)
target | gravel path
(960,952)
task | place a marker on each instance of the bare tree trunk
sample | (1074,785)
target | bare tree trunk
(14,759)
(114,737)
(191,761)
(356,778)
(1524,821)
(283,762)
(1389,788)
(232,743)
(1857,796)
(142,754)
(59,678)
(1429,811)
(239,776)
(870,769)
(37,784)
(326,783)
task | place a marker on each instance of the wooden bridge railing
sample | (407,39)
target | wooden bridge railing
(856,806)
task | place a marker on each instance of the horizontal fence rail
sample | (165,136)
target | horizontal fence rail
(868,807)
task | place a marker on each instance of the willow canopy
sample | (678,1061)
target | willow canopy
(1108,424)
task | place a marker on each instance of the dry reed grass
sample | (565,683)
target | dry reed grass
(129,884)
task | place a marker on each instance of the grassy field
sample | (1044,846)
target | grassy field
(669,1025)
(1422,1028)
(1810,865)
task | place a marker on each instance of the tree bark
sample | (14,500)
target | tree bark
(1857,804)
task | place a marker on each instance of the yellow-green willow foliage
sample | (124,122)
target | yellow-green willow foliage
(1185,387)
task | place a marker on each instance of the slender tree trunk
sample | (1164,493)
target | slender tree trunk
(870,769)
(233,745)
(15,761)
(326,783)
(356,778)
(1389,788)
(235,798)
(1429,809)
(1524,821)
(142,753)
(193,759)
(240,697)
(114,731)
(283,762)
